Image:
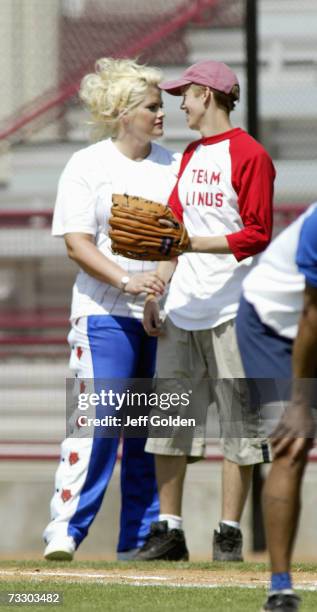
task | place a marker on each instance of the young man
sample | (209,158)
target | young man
(277,334)
(224,197)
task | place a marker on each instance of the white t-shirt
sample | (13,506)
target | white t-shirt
(225,189)
(275,286)
(83,205)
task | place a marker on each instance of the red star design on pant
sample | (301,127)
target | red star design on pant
(73,458)
(66,495)
(79,351)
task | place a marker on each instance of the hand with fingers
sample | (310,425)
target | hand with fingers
(145,282)
(296,429)
(151,317)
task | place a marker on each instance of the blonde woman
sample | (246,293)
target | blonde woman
(107,339)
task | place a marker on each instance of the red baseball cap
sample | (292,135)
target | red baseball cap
(212,74)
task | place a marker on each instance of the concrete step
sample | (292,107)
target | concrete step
(35,402)
(35,375)
(296,181)
(35,170)
(44,428)
(17,242)
(33,414)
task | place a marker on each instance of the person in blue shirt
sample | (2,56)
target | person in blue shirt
(277,335)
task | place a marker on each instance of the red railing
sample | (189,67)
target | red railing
(26,218)
(33,328)
(32,319)
(56,97)
(16,450)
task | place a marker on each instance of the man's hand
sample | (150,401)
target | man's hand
(295,428)
(151,317)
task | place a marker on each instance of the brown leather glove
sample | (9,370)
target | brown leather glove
(137,233)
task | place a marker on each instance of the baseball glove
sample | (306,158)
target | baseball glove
(137,233)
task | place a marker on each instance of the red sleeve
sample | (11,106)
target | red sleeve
(252,178)
(174,202)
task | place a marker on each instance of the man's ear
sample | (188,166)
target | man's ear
(206,94)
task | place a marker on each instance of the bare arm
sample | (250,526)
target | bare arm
(212,244)
(81,248)
(166,269)
(305,345)
(297,423)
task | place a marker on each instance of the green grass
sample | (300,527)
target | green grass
(203,565)
(88,597)
(99,565)
(125,598)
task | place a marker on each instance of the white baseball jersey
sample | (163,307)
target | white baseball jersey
(225,189)
(275,287)
(83,205)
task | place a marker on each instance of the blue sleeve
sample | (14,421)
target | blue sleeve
(306,256)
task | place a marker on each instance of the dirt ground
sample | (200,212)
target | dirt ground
(169,577)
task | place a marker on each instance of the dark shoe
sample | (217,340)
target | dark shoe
(227,544)
(163,544)
(282,602)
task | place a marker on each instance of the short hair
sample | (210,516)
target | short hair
(116,87)
(225,101)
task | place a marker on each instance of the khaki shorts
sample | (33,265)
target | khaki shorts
(208,357)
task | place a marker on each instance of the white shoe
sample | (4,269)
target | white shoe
(60,549)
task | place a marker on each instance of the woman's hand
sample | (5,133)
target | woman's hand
(151,317)
(145,282)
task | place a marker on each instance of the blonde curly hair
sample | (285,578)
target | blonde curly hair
(116,87)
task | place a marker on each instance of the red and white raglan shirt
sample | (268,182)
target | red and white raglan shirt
(225,188)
